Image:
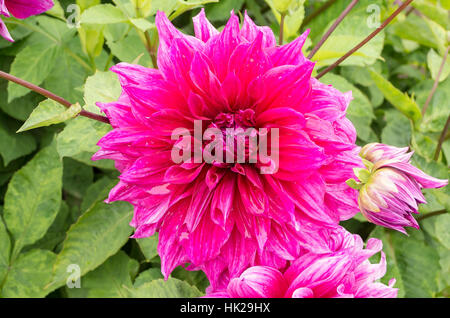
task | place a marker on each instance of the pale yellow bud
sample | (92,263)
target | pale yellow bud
(283,6)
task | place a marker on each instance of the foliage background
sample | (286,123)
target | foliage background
(52,213)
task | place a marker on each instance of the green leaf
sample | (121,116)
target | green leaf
(147,276)
(103,14)
(432,11)
(347,36)
(438,109)
(81,135)
(431,34)
(102,87)
(149,246)
(19,108)
(70,71)
(360,111)
(437,228)
(129,48)
(172,288)
(57,10)
(193,278)
(424,145)
(98,234)
(5,249)
(56,232)
(398,99)
(98,191)
(142,24)
(221,10)
(434,61)
(182,6)
(112,279)
(79,138)
(29,274)
(12,145)
(77,177)
(33,64)
(411,261)
(33,198)
(397,131)
(49,113)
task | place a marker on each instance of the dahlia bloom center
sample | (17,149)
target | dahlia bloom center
(237,136)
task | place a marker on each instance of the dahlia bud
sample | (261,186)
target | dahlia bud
(283,6)
(143,7)
(390,187)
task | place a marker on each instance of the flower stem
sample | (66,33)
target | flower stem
(442,139)
(436,83)
(367,39)
(280,38)
(332,28)
(151,49)
(311,17)
(431,214)
(50,95)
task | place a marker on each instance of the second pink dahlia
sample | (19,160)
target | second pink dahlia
(344,270)
(223,218)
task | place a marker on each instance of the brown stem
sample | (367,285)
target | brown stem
(442,139)
(436,83)
(311,17)
(435,213)
(332,28)
(150,49)
(280,38)
(50,95)
(367,39)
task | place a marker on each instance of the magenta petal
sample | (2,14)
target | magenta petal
(220,48)
(258,282)
(204,30)
(291,53)
(4,31)
(425,180)
(169,247)
(22,9)
(250,32)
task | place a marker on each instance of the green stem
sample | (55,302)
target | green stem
(431,214)
(151,49)
(332,28)
(79,60)
(280,38)
(110,58)
(436,82)
(442,139)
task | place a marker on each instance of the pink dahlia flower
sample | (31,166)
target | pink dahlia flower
(391,187)
(342,271)
(224,217)
(21,9)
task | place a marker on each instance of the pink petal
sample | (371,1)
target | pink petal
(204,30)
(4,31)
(258,282)
(22,9)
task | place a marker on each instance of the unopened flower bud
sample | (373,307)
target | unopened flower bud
(283,6)
(390,187)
